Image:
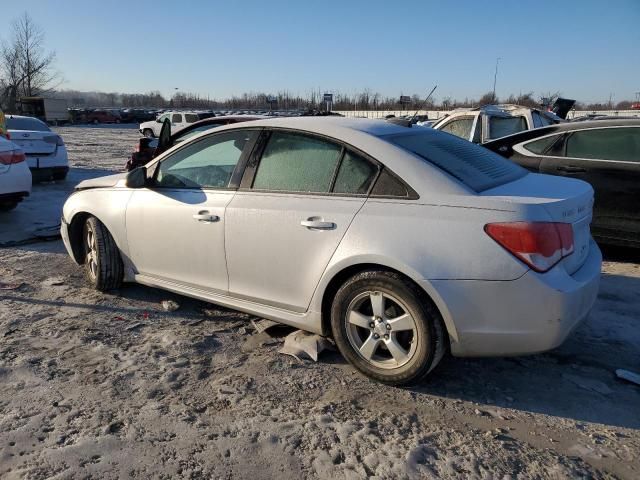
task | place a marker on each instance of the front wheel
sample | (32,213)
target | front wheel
(103,264)
(383,325)
(147,132)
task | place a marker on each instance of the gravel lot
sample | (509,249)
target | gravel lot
(99,385)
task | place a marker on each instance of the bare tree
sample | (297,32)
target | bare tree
(26,67)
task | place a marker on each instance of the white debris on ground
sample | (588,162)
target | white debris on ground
(111,385)
(304,345)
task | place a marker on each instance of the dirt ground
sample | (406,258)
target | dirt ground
(97,385)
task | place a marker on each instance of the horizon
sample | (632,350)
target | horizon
(344,49)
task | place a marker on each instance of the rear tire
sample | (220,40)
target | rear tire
(386,328)
(147,132)
(59,176)
(102,261)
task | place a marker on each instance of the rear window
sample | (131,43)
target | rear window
(32,124)
(476,167)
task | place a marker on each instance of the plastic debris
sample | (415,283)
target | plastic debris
(170,305)
(628,375)
(300,344)
(264,324)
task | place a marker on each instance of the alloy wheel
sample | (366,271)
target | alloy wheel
(381,329)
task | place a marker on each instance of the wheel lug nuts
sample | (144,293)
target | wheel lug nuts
(386,337)
(371,325)
(388,327)
(376,336)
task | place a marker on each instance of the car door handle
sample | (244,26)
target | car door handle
(314,224)
(206,217)
(571,169)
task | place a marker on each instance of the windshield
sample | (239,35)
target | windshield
(476,167)
(33,124)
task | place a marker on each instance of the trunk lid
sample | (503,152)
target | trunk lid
(565,200)
(34,143)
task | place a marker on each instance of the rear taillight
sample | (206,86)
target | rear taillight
(8,136)
(9,158)
(538,244)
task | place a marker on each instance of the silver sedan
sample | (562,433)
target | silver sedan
(401,243)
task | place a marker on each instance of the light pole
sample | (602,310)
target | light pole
(495,77)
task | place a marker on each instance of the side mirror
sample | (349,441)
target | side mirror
(137,178)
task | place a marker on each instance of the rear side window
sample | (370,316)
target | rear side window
(541,146)
(32,124)
(502,126)
(297,163)
(191,117)
(621,144)
(355,175)
(460,127)
(476,167)
(176,118)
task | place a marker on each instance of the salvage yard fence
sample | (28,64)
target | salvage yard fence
(436,114)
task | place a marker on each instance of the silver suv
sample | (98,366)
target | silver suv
(482,124)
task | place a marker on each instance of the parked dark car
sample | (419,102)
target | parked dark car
(605,153)
(149,148)
(102,116)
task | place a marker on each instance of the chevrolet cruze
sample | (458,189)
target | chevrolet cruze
(401,243)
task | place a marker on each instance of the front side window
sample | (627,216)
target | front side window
(208,163)
(297,163)
(460,127)
(162,118)
(502,126)
(621,144)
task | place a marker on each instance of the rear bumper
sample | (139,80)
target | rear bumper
(57,159)
(16,182)
(531,314)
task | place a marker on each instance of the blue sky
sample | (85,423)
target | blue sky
(585,49)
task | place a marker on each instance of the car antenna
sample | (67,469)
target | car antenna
(423,103)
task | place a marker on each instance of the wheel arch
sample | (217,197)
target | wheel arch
(338,276)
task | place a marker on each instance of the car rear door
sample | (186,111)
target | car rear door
(609,159)
(175,228)
(298,197)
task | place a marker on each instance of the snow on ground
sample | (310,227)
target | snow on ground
(97,385)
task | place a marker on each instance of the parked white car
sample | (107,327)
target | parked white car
(482,124)
(45,150)
(179,120)
(15,177)
(399,242)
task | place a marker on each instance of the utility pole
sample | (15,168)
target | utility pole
(495,77)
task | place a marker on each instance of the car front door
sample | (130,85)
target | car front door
(297,200)
(177,122)
(609,159)
(175,227)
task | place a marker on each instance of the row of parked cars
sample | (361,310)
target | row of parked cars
(29,151)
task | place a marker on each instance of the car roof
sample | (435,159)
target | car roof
(339,127)
(561,127)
